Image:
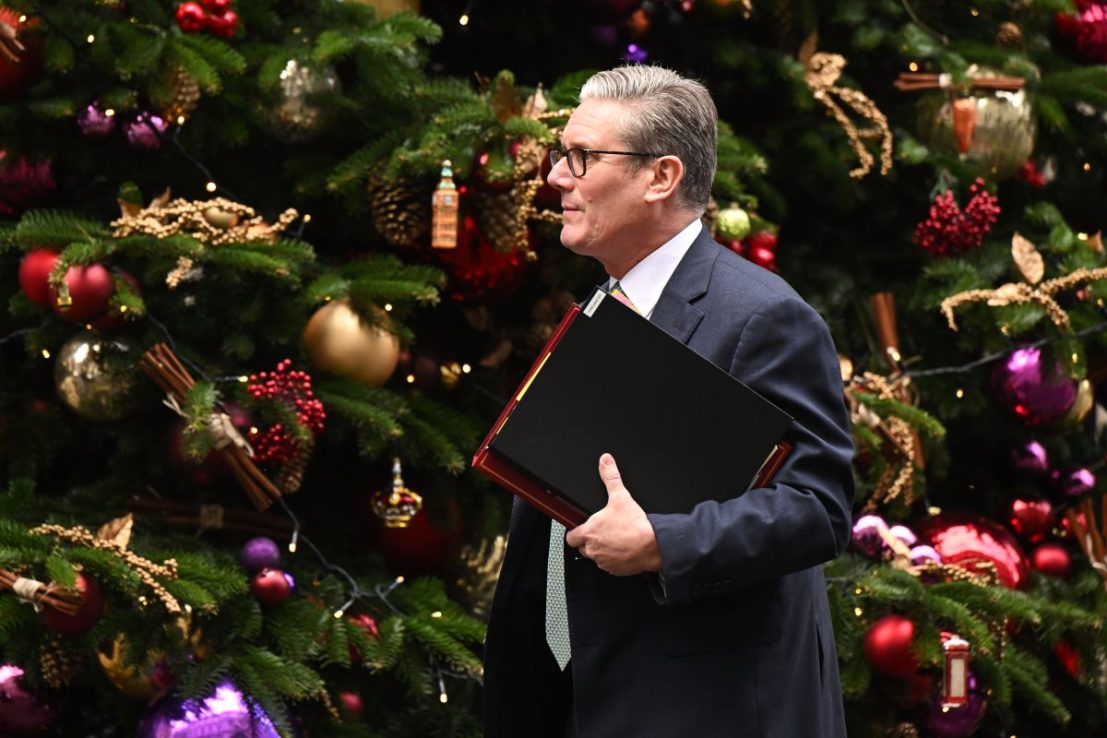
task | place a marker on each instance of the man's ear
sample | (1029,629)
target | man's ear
(665,176)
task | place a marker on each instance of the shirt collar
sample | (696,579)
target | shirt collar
(646,280)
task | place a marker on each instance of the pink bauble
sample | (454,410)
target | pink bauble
(1036,394)
(1030,457)
(1031,519)
(968,541)
(1075,482)
(34,271)
(21,711)
(90,289)
(866,538)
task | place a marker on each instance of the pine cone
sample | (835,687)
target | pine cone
(1009,35)
(401,210)
(496,216)
(185,94)
(292,473)
(58,666)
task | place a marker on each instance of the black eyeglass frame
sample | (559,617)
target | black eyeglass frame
(557,155)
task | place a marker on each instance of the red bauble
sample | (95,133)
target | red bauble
(762,257)
(352,704)
(217,6)
(1031,519)
(477,269)
(1052,559)
(367,624)
(271,586)
(111,322)
(212,469)
(967,541)
(223,25)
(191,17)
(88,613)
(917,688)
(34,271)
(888,647)
(17,77)
(90,289)
(1069,658)
(422,547)
(762,239)
(1091,34)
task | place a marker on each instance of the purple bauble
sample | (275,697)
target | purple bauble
(1035,394)
(95,122)
(921,555)
(1030,457)
(905,534)
(260,553)
(21,712)
(957,722)
(1075,483)
(225,714)
(635,54)
(866,538)
(144,132)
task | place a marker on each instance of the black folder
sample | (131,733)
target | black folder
(681,430)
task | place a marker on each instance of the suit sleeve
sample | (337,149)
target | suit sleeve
(803,518)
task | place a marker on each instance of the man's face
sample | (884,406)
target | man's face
(604,209)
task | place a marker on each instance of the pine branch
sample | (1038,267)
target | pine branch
(1028,677)
(56,228)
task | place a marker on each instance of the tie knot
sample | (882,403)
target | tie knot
(616,291)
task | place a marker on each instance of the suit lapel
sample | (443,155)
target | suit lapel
(674,312)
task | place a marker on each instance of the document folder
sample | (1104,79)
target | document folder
(681,429)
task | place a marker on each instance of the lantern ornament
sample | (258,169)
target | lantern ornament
(444,210)
(955,684)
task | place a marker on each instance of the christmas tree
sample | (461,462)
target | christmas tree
(273,268)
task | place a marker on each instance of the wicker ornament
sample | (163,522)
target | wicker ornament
(183,95)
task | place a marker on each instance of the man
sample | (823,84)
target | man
(714,622)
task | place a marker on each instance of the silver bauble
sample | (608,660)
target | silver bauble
(97,376)
(1002,138)
(298,114)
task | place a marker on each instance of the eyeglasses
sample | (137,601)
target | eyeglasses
(578,157)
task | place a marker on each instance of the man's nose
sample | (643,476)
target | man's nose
(560,178)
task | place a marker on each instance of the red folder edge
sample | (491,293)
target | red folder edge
(547,502)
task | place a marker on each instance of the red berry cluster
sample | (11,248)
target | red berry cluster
(760,248)
(1030,174)
(214,15)
(294,389)
(951,230)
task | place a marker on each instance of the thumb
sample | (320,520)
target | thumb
(611,477)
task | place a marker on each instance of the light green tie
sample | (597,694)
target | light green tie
(557,612)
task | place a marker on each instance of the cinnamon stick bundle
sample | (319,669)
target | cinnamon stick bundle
(1089,534)
(196,516)
(62,599)
(169,373)
(917,81)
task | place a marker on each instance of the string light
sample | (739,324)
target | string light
(913,67)
(45,354)
(1087,166)
(960,393)
(211,187)
(110,112)
(388,307)
(857,611)
(463,20)
(91,38)
(465,368)
(307,217)
(295,536)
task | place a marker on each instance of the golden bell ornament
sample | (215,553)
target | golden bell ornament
(993,130)
(98,377)
(338,341)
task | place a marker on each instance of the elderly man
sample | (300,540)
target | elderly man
(714,622)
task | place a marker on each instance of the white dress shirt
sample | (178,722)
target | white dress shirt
(646,279)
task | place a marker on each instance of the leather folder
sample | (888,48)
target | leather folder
(681,429)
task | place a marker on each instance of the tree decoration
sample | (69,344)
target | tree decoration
(955,674)
(144,131)
(191,17)
(1090,533)
(1075,482)
(1088,30)
(86,615)
(24,184)
(272,586)
(83,294)
(401,209)
(1051,559)
(163,366)
(293,389)
(477,269)
(95,376)
(1031,458)
(39,594)
(397,506)
(116,544)
(95,122)
(988,119)
(902,441)
(21,55)
(59,664)
(958,722)
(823,72)
(889,646)
(480,571)
(34,274)
(337,340)
(140,681)
(22,712)
(978,545)
(298,114)
(1023,293)
(1031,519)
(1026,387)
(444,207)
(211,222)
(183,95)
(260,553)
(948,230)
(732,223)
(225,712)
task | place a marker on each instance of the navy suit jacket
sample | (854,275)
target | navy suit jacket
(734,637)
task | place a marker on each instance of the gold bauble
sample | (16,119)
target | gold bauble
(389,8)
(1003,135)
(97,377)
(338,341)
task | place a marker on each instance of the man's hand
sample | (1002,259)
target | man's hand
(618,538)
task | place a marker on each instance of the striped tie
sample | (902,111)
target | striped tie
(616,291)
(557,611)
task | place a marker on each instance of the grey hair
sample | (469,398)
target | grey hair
(671,115)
